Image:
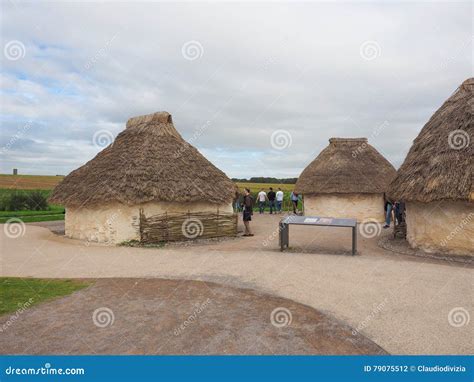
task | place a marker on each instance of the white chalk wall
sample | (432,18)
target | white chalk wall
(446,227)
(358,206)
(115,223)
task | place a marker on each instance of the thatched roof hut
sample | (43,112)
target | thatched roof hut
(439,165)
(148,162)
(347,165)
(436,178)
(148,167)
(347,179)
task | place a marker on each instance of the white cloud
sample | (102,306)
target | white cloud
(292,66)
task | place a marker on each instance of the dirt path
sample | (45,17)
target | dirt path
(155,316)
(406,305)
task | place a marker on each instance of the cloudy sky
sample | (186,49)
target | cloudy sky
(257,88)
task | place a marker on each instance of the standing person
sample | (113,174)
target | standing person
(237,201)
(279,200)
(388,212)
(399,211)
(262,198)
(271,200)
(248,211)
(294,200)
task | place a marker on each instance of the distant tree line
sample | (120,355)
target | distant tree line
(263,179)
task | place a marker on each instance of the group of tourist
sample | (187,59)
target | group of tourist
(275,203)
(273,199)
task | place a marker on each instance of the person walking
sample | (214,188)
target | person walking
(271,200)
(279,200)
(247,207)
(294,200)
(262,198)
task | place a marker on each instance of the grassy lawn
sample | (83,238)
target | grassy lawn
(28,216)
(54,212)
(18,293)
(34,218)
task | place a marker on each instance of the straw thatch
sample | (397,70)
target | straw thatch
(439,165)
(347,165)
(148,161)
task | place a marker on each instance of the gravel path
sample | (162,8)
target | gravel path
(406,305)
(155,316)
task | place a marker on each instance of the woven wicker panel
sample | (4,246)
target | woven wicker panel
(186,226)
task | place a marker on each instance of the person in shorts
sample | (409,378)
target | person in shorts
(247,207)
(295,198)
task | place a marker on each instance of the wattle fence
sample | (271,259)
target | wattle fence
(186,226)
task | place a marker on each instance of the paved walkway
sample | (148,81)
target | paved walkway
(405,305)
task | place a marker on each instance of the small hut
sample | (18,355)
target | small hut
(435,180)
(148,185)
(347,179)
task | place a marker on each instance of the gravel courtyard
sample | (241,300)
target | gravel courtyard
(406,305)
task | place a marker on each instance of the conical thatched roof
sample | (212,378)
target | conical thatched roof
(347,165)
(439,165)
(148,161)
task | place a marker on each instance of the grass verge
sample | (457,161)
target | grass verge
(21,293)
(34,218)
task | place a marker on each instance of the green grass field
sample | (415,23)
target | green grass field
(54,212)
(21,293)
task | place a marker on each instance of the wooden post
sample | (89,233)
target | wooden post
(140,222)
